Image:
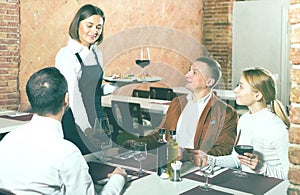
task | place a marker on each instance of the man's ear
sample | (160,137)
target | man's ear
(210,82)
(66,103)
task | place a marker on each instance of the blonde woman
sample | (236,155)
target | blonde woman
(265,127)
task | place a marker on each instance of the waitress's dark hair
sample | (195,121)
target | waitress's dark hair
(83,13)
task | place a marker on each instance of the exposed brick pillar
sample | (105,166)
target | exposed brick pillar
(217,34)
(294,150)
(9,54)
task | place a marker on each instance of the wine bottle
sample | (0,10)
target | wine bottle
(161,163)
(172,147)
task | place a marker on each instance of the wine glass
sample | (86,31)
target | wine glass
(241,149)
(206,170)
(143,59)
(140,154)
(102,132)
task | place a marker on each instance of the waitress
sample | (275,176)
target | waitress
(80,61)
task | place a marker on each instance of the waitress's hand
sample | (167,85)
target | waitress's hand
(250,160)
(94,141)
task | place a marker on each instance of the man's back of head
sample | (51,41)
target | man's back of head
(46,90)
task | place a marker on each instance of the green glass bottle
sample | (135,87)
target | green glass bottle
(172,146)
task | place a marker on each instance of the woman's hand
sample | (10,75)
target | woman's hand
(250,160)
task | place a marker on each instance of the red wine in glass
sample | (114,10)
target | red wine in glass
(142,63)
(143,59)
(241,149)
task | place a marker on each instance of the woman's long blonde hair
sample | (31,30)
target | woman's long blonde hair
(261,80)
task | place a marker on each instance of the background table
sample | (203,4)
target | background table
(151,105)
(11,119)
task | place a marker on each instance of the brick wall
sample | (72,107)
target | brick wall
(217,34)
(42,36)
(294,151)
(9,54)
(209,25)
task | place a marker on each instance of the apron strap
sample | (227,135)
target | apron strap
(96,56)
(79,59)
(98,92)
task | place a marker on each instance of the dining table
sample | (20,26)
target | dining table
(12,119)
(154,106)
(222,181)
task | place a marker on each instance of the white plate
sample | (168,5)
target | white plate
(133,79)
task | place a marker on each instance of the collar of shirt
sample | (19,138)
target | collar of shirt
(50,126)
(76,47)
(203,100)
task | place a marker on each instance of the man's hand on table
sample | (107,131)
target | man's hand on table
(119,171)
(196,156)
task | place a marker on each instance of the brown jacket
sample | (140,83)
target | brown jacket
(216,131)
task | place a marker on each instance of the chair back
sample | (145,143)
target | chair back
(140,93)
(127,117)
(161,93)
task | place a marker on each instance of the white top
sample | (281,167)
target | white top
(37,160)
(267,133)
(70,67)
(188,120)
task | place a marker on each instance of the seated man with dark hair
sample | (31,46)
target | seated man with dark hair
(36,159)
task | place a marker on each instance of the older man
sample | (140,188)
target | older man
(202,120)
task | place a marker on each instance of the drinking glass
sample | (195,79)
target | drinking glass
(102,132)
(206,170)
(241,149)
(143,59)
(140,154)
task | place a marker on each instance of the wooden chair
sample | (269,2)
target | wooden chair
(127,117)
(161,93)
